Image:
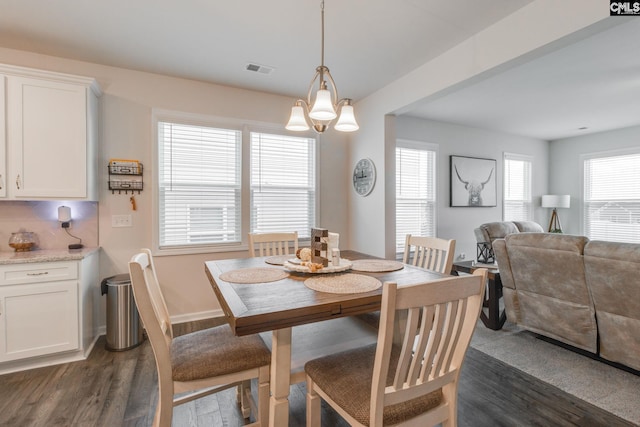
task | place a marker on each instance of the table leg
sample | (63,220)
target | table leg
(280,377)
(493,319)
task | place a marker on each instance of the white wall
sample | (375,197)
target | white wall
(565,167)
(458,223)
(511,41)
(126,132)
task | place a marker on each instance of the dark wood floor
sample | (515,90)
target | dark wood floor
(119,389)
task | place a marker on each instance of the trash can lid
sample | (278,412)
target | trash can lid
(118,279)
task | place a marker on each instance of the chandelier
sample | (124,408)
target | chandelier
(327,104)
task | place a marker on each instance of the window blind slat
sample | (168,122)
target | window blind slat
(415,193)
(283,184)
(612,198)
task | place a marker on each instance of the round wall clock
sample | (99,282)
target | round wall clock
(364,177)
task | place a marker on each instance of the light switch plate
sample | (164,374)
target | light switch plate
(121,221)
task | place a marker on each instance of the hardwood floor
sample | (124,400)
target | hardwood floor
(119,389)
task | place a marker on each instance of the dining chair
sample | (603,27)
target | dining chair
(429,252)
(199,363)
(271,244)
(411,381)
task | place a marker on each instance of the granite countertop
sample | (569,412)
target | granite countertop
(46,255)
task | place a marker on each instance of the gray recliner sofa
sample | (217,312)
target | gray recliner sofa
(580,292)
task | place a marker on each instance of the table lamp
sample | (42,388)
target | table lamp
(554,202)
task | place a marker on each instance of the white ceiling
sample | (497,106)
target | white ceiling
(368,44)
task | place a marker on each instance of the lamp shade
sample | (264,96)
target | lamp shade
(297,121)
(347,121)
(556,201)
(323,107)
(64,213)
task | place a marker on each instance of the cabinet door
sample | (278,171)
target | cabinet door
(47,138)
(38,319)
(3,137)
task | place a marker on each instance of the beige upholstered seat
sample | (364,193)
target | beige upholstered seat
(269,244)
(408,381)
(429,252)
(202,362)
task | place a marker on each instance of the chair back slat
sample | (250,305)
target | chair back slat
(429,252)
(440,319)
(271,244)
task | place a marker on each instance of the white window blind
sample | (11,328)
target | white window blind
(517,201)
(199,185)
(283,184)
(612,198)
(415,193)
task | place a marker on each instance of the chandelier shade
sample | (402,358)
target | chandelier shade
(326,104)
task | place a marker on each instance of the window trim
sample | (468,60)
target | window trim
(518,157)
(595,155)
(425,146)
(245,127)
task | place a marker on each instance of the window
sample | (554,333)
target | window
(198,185)
(612,197)
(283,184)
(415,191)
(517,204)
(217,180)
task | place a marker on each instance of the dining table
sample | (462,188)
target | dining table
(305,314)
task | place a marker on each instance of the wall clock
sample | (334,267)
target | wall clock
(364,177)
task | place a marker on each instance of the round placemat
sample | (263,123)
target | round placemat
(254,275)
(343,283)
(278,259)
(376,265)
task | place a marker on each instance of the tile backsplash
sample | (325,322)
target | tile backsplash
(41,217)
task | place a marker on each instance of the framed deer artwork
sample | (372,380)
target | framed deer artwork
(473,182)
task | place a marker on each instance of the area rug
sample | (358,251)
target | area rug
(602,385)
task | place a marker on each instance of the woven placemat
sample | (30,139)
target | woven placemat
(343,283)
(254,275)
(278,259)
(376,265)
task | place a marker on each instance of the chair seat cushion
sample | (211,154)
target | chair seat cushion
(346,378)
(216,351)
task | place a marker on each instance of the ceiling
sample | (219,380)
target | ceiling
(368,44)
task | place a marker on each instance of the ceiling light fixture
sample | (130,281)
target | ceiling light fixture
(325,107)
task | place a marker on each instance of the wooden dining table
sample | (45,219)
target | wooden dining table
(321,321)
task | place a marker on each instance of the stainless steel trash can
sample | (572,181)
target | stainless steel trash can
(124,329)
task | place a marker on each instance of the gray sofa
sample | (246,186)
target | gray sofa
(580,292)
(490,231)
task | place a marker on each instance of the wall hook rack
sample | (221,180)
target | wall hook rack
(125,176)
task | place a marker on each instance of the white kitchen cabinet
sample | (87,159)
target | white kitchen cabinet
(47,312)
(51,135)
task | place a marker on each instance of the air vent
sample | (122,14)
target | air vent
(263,69)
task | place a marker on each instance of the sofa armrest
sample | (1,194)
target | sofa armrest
(506,275)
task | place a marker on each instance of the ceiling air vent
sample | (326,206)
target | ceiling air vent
(263,69)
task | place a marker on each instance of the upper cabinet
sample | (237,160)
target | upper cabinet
(50,122)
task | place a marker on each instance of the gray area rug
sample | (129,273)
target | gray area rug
(604,386)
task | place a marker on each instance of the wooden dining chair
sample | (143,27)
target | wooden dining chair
(271,244)
(201,362)
(411,381)
(429,252)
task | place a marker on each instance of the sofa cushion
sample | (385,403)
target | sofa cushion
(612,273)
(545,286)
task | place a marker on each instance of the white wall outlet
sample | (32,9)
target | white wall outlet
(462,255)
(121,221)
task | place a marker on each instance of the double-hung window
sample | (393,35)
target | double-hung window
(611,209)
(517,203)
(215,183)
(283,184)
(199,190)
(415,190)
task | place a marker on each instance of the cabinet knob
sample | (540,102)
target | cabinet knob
(18,181)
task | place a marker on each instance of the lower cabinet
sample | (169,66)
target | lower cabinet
(38,319)
(47,312)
